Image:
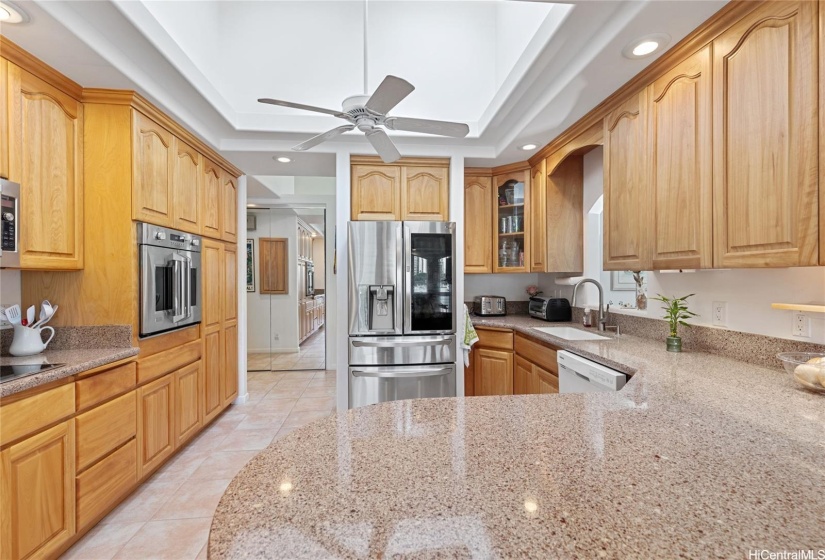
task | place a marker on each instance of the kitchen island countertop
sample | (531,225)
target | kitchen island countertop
(698,456)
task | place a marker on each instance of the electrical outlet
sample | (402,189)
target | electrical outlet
(4,324)
(801,325)
(720,313)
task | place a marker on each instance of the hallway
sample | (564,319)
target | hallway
(309,357)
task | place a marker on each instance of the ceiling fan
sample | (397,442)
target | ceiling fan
(368,113)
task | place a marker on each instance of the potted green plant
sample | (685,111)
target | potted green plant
(676,313)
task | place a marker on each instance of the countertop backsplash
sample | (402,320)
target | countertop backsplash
(75,338)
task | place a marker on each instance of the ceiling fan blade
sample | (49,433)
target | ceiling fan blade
(441,128)
(383,145)
(315,140)
(389,94)
(301,106)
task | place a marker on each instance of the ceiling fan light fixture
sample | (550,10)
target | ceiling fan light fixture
(529,147)
(9,13)
(645,46)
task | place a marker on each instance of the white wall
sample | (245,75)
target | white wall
(271,316)
(10,286)
(747,292)
(510,286)
(319,262)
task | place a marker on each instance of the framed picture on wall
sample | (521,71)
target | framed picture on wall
(250,265)
(622,280)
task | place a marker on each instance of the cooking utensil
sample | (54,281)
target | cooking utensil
(30,315)
(46,310)
(43,321)
(13,314)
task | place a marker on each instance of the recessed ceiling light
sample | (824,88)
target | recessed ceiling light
(9,13)
(529,147)
(647,45)
(283,159)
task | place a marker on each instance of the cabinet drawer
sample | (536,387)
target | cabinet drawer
(100,487)
(104,428)
(495,339)
(29,415)
(540,354)
(168,361)
(103,386)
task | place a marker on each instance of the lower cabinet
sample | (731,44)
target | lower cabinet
(188,409)
(213,370)
(103,485)
(493,372)
(37,497)
(229,374)
(156,424)
(530,379)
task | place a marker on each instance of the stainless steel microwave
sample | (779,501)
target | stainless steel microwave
(9,218)
(170,279)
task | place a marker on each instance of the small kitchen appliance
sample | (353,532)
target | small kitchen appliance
(550,309)
(489,306)
(9,218)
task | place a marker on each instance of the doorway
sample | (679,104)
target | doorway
(286,288)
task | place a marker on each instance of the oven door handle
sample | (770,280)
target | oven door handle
(405,373)
(178,289)
(187,282)
(400,343)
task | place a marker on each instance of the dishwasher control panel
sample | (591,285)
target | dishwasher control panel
(580,375)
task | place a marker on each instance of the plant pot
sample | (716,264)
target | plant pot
(674,344)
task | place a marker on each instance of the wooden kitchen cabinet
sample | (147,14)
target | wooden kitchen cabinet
(273,268)
(186,171)
(538,218)
(37,498)
(152,164)
(562,226)
(511,221)
(478,229)
(211,200)
(425,194)
(230,326)
(522,375)
(626,188)
(376,192)
(156,424)
(212,258)
(230,208)
(493,372)
(230,371)
(4,119)
(188,397)
(765,206)
(680,167)
(45,155)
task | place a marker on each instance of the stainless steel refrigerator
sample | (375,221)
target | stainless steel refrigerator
(402,311)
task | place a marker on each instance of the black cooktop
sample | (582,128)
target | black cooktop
(10,373)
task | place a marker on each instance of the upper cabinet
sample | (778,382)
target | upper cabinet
(152,165)
(765,138)
(410,189)
(45,155)
(211,199)
(230,207)
(538,218)
(626,193)
(561,229)
(680,169)
(478,231)
(185,184)
(511,221)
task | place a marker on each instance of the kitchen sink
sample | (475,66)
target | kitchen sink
(569,333)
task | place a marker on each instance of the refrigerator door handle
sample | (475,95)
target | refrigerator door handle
(417,372)
(396,343)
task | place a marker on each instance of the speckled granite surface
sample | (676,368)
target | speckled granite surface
(79,348)
(699,456)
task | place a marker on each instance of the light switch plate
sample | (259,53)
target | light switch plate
(720,313)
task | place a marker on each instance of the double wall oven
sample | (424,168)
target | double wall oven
(170,279)
(402,311)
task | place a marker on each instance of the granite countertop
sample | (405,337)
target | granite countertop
(79,348)
(698,456)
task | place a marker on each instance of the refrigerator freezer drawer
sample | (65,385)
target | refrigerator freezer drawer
(371,384)
(396,350)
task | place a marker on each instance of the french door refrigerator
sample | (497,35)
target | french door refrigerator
(402,311)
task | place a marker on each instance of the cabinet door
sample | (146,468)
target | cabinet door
(230,207)
(681,174)
(511,222)
(4,118)
(764,139)
(230,283)
(538,220)
(186,171)
(212,264)
(493,373)
(37,495)
(188,410)
(46,158)
(545,382)
(156,424)
(230,367)
(273,256)
(211,199)
(521,377)
(376,192)
(425,194)
(563,230)
(478,225)
(626,192)
(212,365)
(152,171)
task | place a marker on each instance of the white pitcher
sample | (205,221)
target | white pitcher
(28,341)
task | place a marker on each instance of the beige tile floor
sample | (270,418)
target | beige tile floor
(309,356)
(169,515)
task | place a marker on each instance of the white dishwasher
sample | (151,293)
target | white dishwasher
(580,375)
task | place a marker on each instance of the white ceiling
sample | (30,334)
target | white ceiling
(516,71)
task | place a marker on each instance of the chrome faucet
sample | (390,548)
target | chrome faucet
(602,314)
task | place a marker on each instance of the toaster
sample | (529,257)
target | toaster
(550,309)
(489,305)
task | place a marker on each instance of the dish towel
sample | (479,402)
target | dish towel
(470,336)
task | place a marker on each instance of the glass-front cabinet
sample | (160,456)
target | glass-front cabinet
(511,251)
